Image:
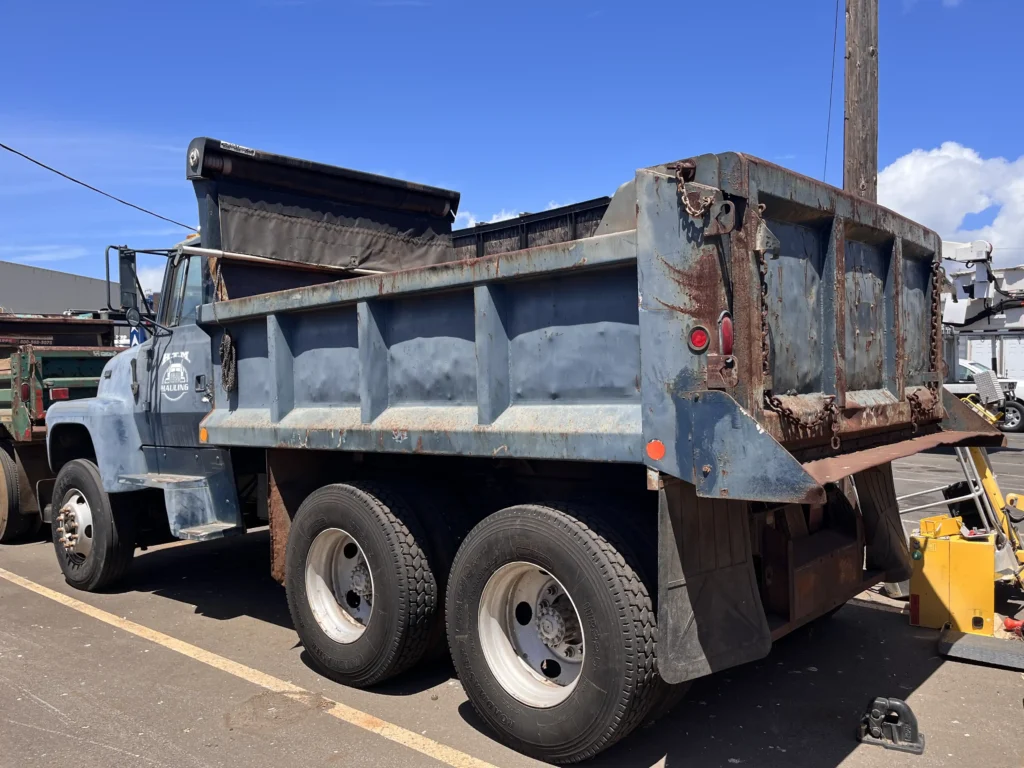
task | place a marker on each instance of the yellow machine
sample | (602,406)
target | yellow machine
(952,577)
(955,566)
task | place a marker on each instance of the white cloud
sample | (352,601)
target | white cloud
(33,254)
(151,278)
(940,187)
(467,219)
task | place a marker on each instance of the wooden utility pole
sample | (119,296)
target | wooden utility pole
(860,127)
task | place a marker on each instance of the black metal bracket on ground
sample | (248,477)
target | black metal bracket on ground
(889,723)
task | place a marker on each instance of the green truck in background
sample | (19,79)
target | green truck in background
(43,359)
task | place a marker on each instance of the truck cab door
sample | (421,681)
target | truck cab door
(175,368)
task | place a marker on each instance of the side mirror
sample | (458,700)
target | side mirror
(127,279)
(133,317)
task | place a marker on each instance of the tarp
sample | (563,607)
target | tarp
(293,210)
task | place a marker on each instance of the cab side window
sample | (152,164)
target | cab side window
(192,298)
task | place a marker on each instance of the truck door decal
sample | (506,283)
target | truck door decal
(174,379)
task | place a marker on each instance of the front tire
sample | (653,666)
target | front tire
(1013,416)
(93,536)
(360,583)
(552,631)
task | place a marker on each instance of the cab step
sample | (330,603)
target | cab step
(210,531)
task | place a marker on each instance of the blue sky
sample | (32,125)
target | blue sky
(516,105)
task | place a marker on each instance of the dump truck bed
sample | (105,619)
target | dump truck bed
(582,348)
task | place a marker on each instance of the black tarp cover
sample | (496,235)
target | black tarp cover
(294,210)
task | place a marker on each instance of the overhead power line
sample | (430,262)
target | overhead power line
(831,86)
(94,189)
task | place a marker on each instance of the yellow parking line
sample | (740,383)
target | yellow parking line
(367,722)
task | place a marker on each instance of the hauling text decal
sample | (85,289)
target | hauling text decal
(174,381)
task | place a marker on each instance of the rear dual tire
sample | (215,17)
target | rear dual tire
(608,621)
(361,583)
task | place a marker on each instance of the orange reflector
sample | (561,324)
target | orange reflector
(203,435)
(59,393)
(656,450)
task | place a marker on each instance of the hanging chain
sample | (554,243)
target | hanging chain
(228,363)
(919,408)
(700,206)
(938,277)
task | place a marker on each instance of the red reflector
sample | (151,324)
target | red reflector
(725,333)
(59,393)
(26,393)
(699,339)
(915,610)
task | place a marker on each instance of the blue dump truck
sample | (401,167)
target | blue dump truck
(593,453)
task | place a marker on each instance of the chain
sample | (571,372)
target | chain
(703,202)
(938,275)
(228,368)
(762,269)
(919,409)
(829,413)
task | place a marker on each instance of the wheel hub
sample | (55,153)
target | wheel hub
(74,524)
(339,585)
(550,625)
(531,634)
(360,581)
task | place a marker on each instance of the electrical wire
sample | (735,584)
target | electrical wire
(94,189)
(831,87)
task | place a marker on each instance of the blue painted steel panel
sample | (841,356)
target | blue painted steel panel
(431,349)
(325,348)
(253,364)
(574,339)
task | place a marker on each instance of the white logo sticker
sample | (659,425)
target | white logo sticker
(174,381)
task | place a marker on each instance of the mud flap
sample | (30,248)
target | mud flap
(709,610)
(887,548)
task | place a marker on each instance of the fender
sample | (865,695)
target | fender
(109,418)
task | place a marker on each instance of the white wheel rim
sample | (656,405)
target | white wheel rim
(531,634)
(1011,417)
(74,525)
(339,585)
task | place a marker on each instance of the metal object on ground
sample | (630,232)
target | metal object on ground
(890,723)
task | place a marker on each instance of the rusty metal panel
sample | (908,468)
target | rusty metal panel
(794,307)
(866,270)
(837,467)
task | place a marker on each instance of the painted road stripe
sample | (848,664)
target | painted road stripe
(336,709)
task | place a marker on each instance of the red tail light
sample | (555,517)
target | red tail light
(725,333)
(26,393)
(699,339)
(59,393)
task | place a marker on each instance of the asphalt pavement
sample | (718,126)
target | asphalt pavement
(193,662)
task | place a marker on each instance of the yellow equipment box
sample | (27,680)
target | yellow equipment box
(952,577)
